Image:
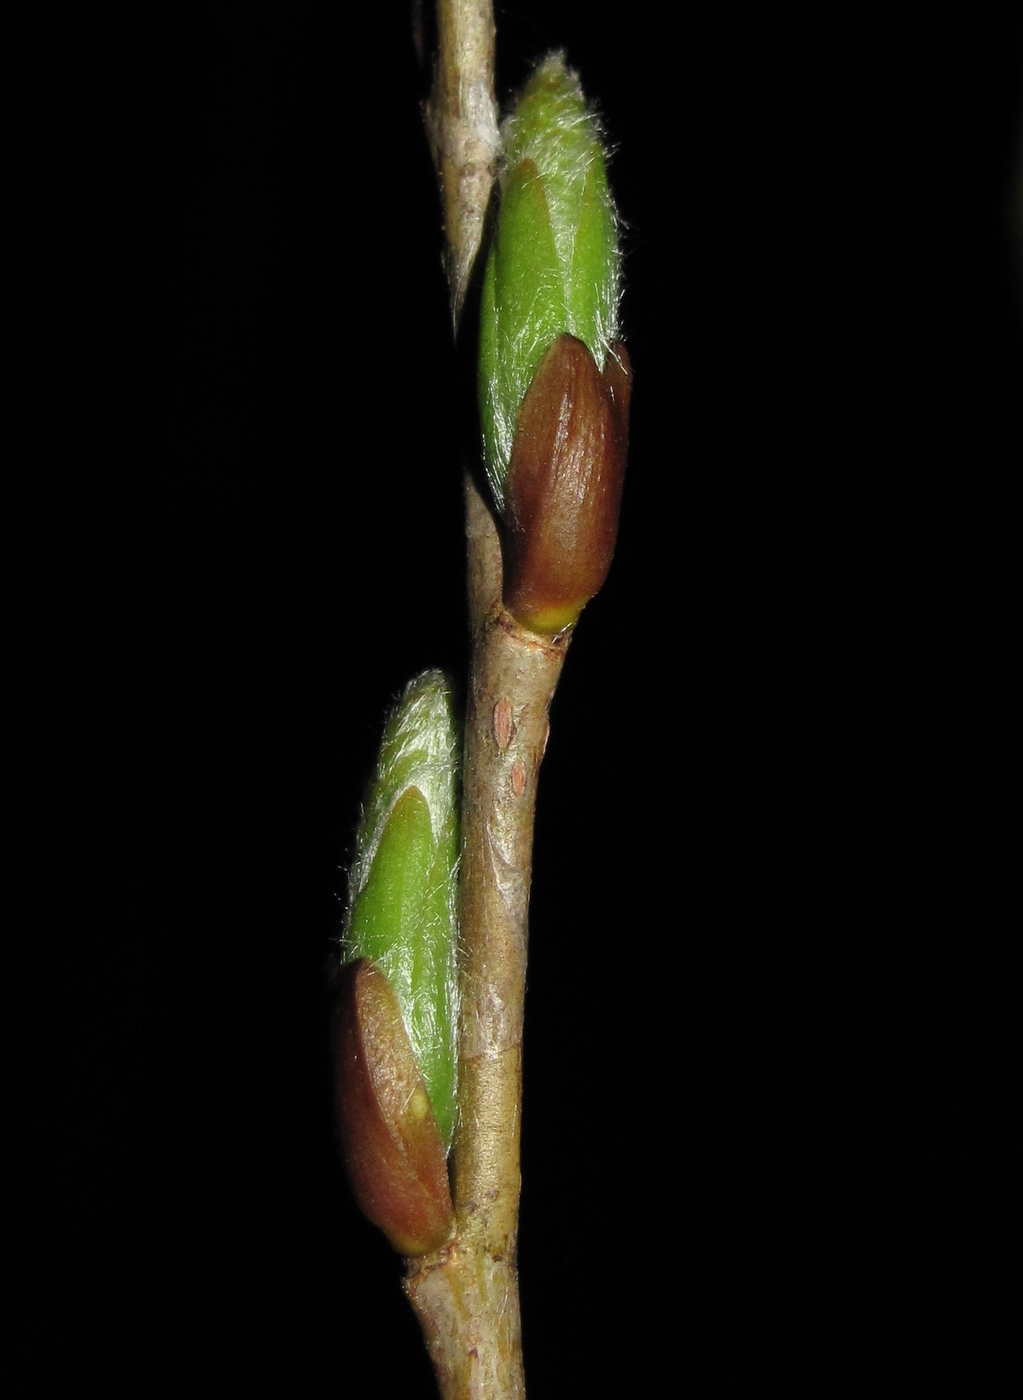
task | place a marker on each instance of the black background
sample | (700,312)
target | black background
(766,1110)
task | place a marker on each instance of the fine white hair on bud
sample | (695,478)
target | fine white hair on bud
(420,747)
(554,127)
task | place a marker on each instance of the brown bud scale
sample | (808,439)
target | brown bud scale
(389,1136)
(564,485)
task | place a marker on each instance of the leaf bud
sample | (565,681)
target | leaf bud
(553,265)
(403,880)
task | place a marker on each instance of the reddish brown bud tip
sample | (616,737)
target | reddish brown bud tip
(564,485)
(389,1136)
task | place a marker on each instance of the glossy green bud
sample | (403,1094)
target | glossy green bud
(554,266)
(403,881)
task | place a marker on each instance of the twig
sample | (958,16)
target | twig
(461,122)
(466,1294)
